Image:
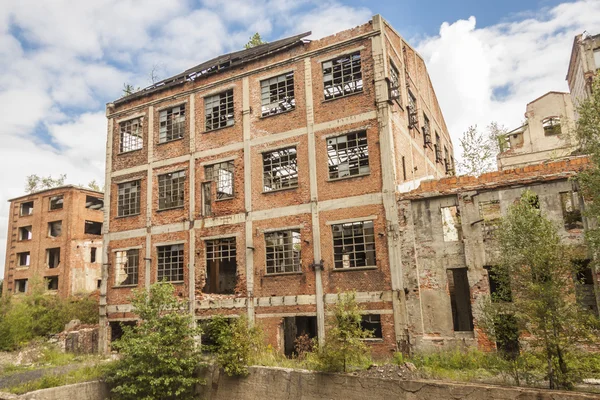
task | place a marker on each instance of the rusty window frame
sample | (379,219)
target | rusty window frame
(171,124)
(283,251)
(170,263)
(280,169)
(219,110)
(130,137)
(128,261)
(354,244)
(129,197)
(349,150)
(342,76)
(222,174)
(171,190)
(277,94)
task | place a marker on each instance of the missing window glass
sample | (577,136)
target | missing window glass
(348,155)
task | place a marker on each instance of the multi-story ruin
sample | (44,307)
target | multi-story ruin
(583,64)
(55,237)
(263,182)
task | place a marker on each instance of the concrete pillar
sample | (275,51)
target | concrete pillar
(249,251)
(192,214)
(149,189)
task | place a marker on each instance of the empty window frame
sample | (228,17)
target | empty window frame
(280,169)
(438,149)
(25,233)
(354,244)
(451,225)
(447,163)
(342,76)
(93,251)
(207,199)
(372,323)
(222,175)
(92,228)
(277,94)
(26,208)
(394,83)
(53,257)
(56,202)
(218,110)
(348,155)
(413,120)
(171,190)
(490,215)
(584,286)
(51,282)
(55,228)
(570,210)
(499,281)
(460,299)
(283,251)
(129,195)
(172,124)
(426,131)
(127,267)
(131,135)
(551,126)
(94,203)
(23,259)
(170,263)
(221,266)
(20,285)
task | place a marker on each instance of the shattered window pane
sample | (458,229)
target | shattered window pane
(171,190)
(491,215)
(354,244)
(277,94)
(55,228)
(131,135)
(551,126)
(27,208)
(172,124)
(280,169)
(56,202)
(221,266)
(283,251)
(571,211)
(128,202)
(394,83)
(348,155)
(126,267)
(222,175)
(170,263)
(342,76)
(219,110)
(451,223)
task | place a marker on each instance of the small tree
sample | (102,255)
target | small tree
(94,186)
(479,149)
(538,271)
(344,345)
(129,89)
(255,40)
(158,356)
(35,182)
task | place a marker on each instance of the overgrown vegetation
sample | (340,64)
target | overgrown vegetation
(159,356)
(36,183)
(84,374)
(255,40)
(479,149)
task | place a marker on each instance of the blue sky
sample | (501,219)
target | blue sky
(61,61)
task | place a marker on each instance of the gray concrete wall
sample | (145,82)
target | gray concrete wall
(81,391)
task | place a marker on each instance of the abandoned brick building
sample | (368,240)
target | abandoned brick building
(264,182)
(55,235)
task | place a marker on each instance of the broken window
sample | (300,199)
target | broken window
(52,282)
(221,266)
(20,285)
(99,284)
(23,259)
(128,202)
(491,215)
(551,126)
(219,110)
(170,263)
(277,94)
(499,281)
(55,228)
(280,169)
(584,288)
(283,251)
(222,175)
(172,124)
(447,164)
(451,225)
(53,257)
(372,323)
(131,135)
(394,83)
(426,131)
(56,202)
(460,299)
(126,267)
(26,208)
(94,203)
(116,329)
(207,199)
(342,76)
(93,228)
(348,155)
(25,233)
(93,255)
(437,147)
(570,210)
(171,190)
(403,168)
(298,333)
(412,111)
(354,244)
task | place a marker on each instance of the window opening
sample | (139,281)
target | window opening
(342,76)
(171,190)
(52,282)
(403,168)
(570,210)
(172,124)
(221,266)
(298,333)
(219,110)
(20,285)
(438,149)
(413,120)
(53,257)
(24,259)
(491,215)
(116,329)
(283,251)
(460,299)
(207,199)
(222,175)
(93,228)
(93,255)
(447,160)
(128,202)
(348,155)
(26,208)
(584,288)
(354,244)
(372,323)
(126,267)
(99,284)
(280,169)
(131,135)
(426,131)
(451,224)
(394,83)
(25,233)
(56,202)
(277,94)
(55,228)
(170,263)
(551,126)
(94,203)
(499,281)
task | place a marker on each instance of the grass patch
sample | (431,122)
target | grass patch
(83,374)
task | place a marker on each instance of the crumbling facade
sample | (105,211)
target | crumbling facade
(547,134)
(583,65)
(55,236)
(264,182)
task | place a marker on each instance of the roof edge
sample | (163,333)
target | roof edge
(76,187)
